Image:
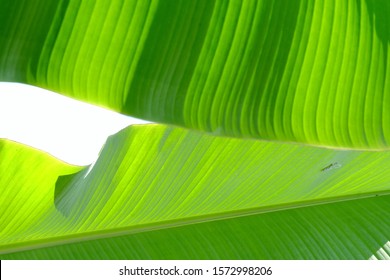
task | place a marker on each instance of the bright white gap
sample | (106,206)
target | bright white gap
(70,130)
(382,253)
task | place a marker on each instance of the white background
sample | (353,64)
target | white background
(70,130)
(331,270)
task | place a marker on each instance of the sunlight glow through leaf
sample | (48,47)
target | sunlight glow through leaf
(70,130)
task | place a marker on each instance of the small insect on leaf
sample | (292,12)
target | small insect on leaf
(331,166)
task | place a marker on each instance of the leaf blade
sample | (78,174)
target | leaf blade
(153,176)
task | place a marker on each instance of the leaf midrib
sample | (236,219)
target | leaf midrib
(100,234)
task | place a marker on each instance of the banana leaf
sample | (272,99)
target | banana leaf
(313,72)
(152,179)
(276,146)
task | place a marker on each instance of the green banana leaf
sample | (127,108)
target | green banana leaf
(313,72)
(155,178)
(325,232)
